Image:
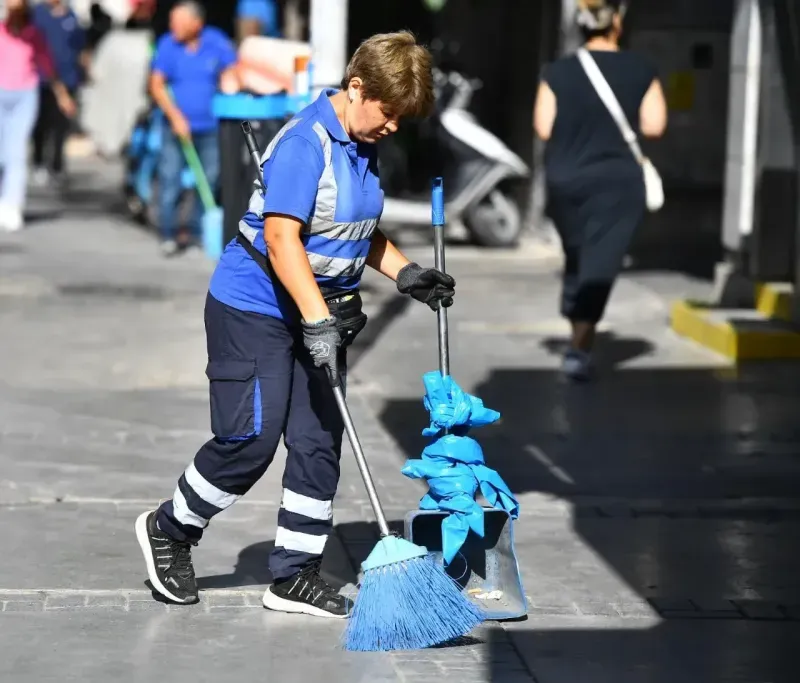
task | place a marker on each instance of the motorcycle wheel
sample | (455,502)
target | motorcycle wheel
(495,222)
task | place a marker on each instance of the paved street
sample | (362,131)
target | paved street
(660,506)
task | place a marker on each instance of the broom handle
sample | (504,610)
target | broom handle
(252,147)
(349,427)
(196,166)
(437,218)
(203,188)
(363,468)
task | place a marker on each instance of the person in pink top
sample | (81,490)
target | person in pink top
(24,56)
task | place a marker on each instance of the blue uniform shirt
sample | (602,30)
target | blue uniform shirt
(66,39)
(315,173)
(265,11)
(193,75)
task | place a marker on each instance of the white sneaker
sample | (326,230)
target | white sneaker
(194,251)
(10,219)
(40,177)
(169,247)
(577,365)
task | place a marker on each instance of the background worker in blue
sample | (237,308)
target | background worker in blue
(282,305)
(188,64)
(258,18)
(66,41)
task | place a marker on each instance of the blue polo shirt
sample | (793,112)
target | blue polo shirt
(315,173)
(66,39)
(193,75)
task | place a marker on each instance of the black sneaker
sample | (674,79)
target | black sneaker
(307,593)
(169,562)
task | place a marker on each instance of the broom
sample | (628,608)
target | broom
(212,216)
(406,600)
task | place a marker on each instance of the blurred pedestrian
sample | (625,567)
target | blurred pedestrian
(595,186)
(141,16)
(257,18)
(23,56)
(100,24)
(188,64)
(66,41)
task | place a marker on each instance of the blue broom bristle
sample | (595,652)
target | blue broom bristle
(408,605)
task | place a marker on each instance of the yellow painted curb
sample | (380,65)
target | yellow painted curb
(774,300)
(735,340)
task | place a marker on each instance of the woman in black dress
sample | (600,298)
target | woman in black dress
(596,194)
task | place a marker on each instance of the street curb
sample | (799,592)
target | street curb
(736,334)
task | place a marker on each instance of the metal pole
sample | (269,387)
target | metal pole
(437,218)
(328,31)
(363,468)
(252,147)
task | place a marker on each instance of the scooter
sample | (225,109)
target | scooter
(477,169)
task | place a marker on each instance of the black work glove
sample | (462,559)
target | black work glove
(428,285)
(322,339)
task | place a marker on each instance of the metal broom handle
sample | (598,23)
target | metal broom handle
(437,218)
(349,427)
(363,468)
(252,146)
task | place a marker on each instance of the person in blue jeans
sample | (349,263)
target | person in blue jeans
(66,41)
(188,64)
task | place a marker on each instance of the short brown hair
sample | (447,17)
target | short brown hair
(396,71)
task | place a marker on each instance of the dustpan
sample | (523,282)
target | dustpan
(486,568)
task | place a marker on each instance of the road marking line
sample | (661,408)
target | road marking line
(551,467)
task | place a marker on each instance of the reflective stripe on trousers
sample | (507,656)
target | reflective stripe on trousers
(262,386)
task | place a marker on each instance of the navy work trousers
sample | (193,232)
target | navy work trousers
(263,385)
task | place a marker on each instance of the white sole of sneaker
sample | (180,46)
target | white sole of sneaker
(277,604)
(144,543)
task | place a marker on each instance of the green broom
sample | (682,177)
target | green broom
(212,215)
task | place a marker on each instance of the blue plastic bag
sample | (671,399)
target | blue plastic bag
(451,407)
(453,464)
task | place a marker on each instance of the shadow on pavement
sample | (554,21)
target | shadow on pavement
(684,489)
(251,570)
(610,349)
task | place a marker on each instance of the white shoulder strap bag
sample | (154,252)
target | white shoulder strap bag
(654,188)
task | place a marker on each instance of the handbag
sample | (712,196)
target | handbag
(653,185)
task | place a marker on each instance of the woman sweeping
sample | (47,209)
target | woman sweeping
(596,192)
(282,306)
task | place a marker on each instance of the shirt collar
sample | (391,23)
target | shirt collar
(328,115)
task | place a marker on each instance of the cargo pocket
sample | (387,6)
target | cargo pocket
(235,399)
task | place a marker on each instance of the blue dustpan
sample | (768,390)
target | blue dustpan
(212,233)
(486,568)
